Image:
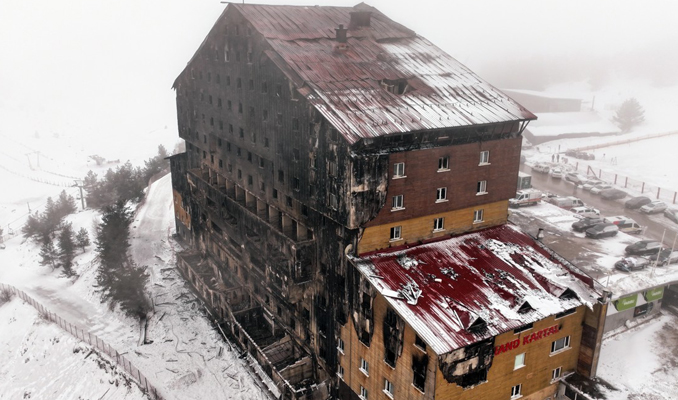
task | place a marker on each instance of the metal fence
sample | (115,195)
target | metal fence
(91,339)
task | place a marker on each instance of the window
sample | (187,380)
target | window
(264,87)
(295,184)
(249,180)
(363,393)
(560,344)
(388,388)
(340,371)
(515,392)
(240,108)
(420,343)
(295,124)
(279,119)
(438,224)
(441,194)
(395,233)
(221,163)
(228,77)
(295,154)
(444,163)
(364,367)
(239,174)
(478,215)
(210,99)
(241,133)
(399,170)
(266,143)
(250,85)
(520,361)
(484,157)
(482,187)
(261,162)
(238,83)
(281,176)
(278,90)
(264,115)
(288,201)
(332,168)
(555,374)
(340,345)
(334,202)
(397,202)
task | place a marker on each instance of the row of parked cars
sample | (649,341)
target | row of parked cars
(646,205)
(644,253)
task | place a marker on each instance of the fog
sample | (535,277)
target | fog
(109,66)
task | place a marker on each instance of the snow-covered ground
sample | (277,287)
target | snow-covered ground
(41,361)
(641,362)
(187,358)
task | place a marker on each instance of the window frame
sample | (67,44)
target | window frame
(478,216)
(364,367)
(444,164)
(388,388)
(566,345)
(399,170)
(438,224)
(364,394)
(340,371)
(522,361)
(481,188)
(398,203)
(484,157)
(441,194)
(516,391)
(340,345)
(556,373)
(396,233)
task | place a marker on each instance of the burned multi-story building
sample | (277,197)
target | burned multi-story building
(318,138)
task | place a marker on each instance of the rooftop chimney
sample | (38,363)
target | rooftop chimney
(360,19)
(341,34)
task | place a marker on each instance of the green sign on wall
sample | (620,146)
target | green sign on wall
(624,303)
(654,294)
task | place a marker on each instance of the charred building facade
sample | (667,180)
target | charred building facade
(316,136)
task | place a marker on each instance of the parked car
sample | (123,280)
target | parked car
(637,202)
(628,264)
(539,167)
(666,256)
(602,230)
(566,202)
(586,223)
(654,207)
(600,187)
(591,183)
(643,247)
(625,224)
(556,173)
(672,214)
(574,178)
(612,194)
(583,212)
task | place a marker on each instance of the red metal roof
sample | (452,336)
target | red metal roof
(344,84)
(441,288)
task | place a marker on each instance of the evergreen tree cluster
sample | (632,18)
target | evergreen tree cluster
(629,114)
(119,280)
(46,227)
(125,183)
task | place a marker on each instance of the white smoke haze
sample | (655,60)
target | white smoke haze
(108,66)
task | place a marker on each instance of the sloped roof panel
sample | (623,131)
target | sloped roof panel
(487,274)
(345,83)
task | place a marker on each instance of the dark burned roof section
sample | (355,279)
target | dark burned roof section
(497,275)
(345,82)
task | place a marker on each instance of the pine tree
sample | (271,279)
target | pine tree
(118,279)
(48,254)
(67,249)
(65,204)
(629,114)
(32,226)
(82,239)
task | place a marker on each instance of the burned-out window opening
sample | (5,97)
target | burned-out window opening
(238,151)
(266,143)
(279,119)
(334,135)
(218,78)
(365,338)
(262,186)
(331,168)
(288,201)
(523,328)
(264,87)
(473,378)
(334,202)
(229,105)
(204,154)
(241,133)
(230,167)
(239,174)
(295,124)
(212,158)
(566,313)
(249,156)
(211,121)
(219,102)
(221,163)
(204,138)
(210,99)
(419,367)
(209,77)
(264,115)
(240,108)
(221,126)
(250,181)
(275,193)
(304,210)
(261,162)
(295,184)
(278,90)
(230,128)
(281,176)
(228,146)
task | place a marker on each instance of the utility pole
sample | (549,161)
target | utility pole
(78,183)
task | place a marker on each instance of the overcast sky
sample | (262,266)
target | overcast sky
(119,56)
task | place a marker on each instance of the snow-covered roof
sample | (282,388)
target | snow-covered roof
(443,288)
(554,124)
(345,82)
